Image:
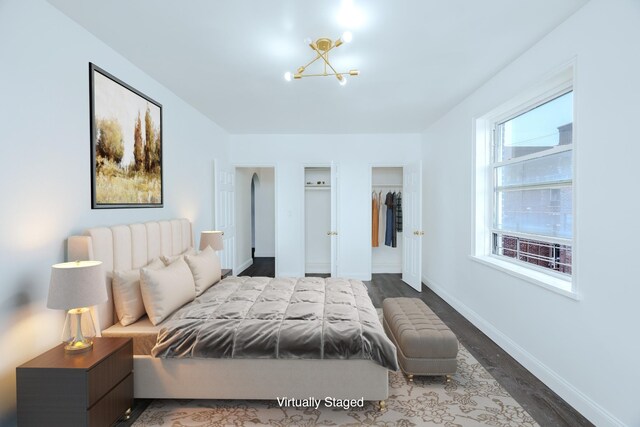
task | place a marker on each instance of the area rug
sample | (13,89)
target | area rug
(472,398)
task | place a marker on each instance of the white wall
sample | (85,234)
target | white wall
(585,350)
(354,155)
(45,167)
(243,219)
(265,213)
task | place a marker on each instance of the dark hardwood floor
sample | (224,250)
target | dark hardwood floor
(261,267)
(545,406)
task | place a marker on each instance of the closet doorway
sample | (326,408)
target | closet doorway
(320,220)
(254,216)
(396,222)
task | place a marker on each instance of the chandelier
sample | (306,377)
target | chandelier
(322,47)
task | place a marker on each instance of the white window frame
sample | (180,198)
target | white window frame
(560,83)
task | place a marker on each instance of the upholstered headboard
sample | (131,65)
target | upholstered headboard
(127,247)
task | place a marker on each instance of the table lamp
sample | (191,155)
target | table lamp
(213,239)
(75,286)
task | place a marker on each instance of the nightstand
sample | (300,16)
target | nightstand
(88,389)
(226,272)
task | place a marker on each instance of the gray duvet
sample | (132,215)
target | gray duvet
(282,318)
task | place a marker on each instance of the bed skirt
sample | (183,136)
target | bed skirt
(260,379)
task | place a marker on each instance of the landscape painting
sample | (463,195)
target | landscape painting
(126,144)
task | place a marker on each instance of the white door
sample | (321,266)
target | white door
(225,197)
(412,225)
(334,220)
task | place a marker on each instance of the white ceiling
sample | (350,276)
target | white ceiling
(417,58)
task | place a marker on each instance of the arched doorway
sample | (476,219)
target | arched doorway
(255,221)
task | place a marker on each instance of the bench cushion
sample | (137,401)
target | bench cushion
(425,344)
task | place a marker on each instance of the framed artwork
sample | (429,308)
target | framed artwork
(126,145)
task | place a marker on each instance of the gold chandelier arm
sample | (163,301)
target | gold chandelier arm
(312,61)
(325,59)
(322,75)
(322,47)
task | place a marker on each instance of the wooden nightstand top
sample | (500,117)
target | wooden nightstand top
(57,358)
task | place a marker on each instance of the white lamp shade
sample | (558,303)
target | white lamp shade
(213,239)
(76,284)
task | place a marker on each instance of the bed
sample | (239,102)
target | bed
(128,247)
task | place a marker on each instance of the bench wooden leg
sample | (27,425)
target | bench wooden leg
(382,405)
(447,378)
(410,377)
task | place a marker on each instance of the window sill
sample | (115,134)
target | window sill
(546,281)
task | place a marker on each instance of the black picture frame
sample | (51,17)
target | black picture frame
(126,170)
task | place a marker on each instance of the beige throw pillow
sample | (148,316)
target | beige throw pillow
(126,293)
(169,259)
(205,268)
(166,290)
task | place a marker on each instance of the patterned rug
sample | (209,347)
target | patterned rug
(472,398)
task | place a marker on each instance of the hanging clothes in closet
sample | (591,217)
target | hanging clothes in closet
(397,211)
(375,206)
(382,220)
(391,235)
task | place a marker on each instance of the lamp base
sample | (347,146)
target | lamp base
(78,347)
(78,331)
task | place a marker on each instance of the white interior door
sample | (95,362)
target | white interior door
(412,225)
(334,220)
(225,196)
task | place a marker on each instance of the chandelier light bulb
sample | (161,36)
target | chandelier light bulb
(350,15)
(288,76)
(308,40)
(347,37)
(342,80)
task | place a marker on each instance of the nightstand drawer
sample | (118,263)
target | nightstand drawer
(110,371)
(93,388)
(111,407)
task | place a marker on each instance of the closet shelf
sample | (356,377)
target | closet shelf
(387,185)
(317,187)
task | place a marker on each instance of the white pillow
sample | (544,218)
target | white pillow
(126,293)
(169,259)
(166,290)
(205,268)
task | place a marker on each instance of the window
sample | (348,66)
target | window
(524,213)
(532,170)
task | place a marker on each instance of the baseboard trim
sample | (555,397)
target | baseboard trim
(317,268)
(581,402)
(264,254)
(242,267)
